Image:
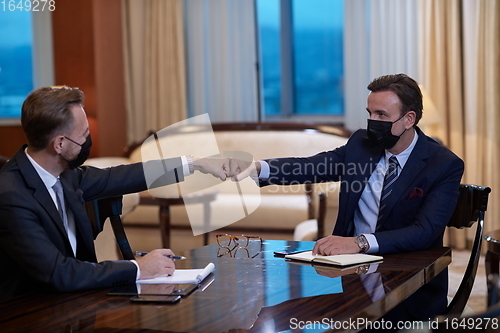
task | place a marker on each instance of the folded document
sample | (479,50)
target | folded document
(183,276)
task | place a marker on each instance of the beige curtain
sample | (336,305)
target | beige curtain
(441,76)
(482,100)
(460,70)
(154,65)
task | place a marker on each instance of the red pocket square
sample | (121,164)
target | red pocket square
(417,192)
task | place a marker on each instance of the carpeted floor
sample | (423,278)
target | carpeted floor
(477,299)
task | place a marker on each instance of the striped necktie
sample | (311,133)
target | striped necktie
(390,177)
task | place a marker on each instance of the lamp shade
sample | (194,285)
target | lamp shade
(431,114)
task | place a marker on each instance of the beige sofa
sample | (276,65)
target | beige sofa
(281,208)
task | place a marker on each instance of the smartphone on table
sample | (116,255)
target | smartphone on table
(155,299)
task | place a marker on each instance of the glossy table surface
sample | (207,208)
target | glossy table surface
(261,294)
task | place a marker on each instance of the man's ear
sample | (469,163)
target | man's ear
(58,143)
(410,118)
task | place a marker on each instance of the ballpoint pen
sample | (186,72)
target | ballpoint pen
(142,254)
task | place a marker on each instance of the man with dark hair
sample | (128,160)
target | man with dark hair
(45,235)
(398,187)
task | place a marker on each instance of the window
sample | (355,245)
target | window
(301,51)
(23,34)
(16,69)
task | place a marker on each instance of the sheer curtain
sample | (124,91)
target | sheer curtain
(154,65)
(221,55)
(381,37)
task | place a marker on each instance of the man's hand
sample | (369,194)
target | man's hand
(241,169)
(156,263)
(331,245)
(216,166)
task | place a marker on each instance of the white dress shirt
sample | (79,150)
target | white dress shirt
(49,180)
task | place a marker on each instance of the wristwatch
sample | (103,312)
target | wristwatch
(190,163)
(362,243)
(362,269)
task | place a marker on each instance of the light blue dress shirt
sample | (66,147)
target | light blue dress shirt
(366,213)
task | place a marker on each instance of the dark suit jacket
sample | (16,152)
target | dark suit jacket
(421,204)
(36,253)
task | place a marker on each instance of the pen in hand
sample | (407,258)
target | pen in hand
(142,254)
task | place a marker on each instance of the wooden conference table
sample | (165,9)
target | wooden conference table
(261,294)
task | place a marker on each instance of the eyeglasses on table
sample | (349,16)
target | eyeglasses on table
(248,246)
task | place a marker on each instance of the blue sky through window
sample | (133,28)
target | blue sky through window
(318,56)
(16,69)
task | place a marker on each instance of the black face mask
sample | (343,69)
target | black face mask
(82,155)
(380,134)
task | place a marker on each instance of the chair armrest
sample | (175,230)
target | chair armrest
(111,207)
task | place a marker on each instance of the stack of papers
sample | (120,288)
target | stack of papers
(183,276)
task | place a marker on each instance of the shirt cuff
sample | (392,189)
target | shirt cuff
(187,162)
(265,170)
(138,270)
(372,241)
(372,268)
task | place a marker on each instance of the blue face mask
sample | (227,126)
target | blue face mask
(380,133)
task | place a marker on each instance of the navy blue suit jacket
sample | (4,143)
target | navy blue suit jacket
(421,204)
(36,253)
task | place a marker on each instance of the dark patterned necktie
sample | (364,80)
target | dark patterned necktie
(390,177)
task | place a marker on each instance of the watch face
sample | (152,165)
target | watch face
(362,269)
(362,243)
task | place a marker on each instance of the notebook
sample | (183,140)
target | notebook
(339,259)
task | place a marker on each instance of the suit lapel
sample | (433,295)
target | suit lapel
(362,170)
(415,163)
(82,223)
(40,192)
(45,200)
